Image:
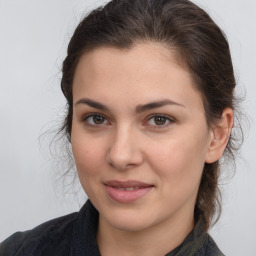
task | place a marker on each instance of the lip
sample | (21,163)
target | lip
(127,191)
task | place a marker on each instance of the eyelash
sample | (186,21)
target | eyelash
(85,120)
(168,119)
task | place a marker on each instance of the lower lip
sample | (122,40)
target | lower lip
(123,196)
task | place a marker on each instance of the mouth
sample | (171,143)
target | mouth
(127,191)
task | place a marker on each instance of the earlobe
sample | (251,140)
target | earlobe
(219,136)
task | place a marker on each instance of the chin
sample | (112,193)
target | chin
(129,220)
(128,224)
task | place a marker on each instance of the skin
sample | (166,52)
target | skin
(168,153)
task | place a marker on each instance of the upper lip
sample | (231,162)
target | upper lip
(126,184)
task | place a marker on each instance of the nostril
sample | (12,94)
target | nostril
(124,151)
(123,161)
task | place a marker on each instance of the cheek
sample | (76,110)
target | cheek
(87,157)
(178,165)
(179,159)
(87,154)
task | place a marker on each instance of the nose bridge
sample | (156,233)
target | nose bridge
(124,148)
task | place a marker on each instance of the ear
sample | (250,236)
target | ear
(219,136)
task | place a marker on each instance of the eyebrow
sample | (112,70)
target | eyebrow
(138,109)
(156,104)
(93,104)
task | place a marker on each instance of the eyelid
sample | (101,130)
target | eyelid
(86,116)
(169,118)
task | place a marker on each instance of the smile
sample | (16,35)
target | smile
(126,192)
(128,189)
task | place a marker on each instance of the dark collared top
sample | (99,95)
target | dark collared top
(75,235)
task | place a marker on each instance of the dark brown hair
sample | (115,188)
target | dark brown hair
(200,46)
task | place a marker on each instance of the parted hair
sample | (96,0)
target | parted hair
(200,46)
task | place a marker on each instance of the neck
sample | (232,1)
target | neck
(157,240)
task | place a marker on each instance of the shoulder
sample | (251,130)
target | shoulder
(56,231)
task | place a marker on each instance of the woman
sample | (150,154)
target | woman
(150,95)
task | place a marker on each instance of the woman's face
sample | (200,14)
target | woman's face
(139,136)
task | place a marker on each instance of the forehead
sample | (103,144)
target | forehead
(144,72)
(150,54)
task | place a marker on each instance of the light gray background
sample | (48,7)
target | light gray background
(33,41)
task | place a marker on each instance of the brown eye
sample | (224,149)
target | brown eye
(95,120)
(98,119)
(159,120)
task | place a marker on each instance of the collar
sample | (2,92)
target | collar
(85,231)
(194,241)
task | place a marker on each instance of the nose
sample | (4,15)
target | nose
(124,151)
